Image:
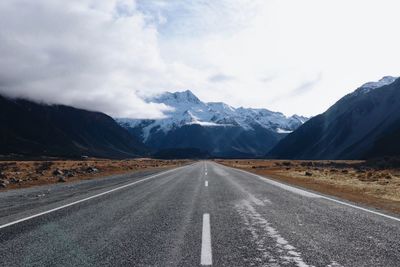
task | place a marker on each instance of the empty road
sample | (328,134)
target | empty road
(197,215)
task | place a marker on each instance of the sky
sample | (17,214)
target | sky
(292,56)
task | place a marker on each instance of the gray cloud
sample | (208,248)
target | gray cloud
(298,91)
(268,78)
(220,77)
(306,86)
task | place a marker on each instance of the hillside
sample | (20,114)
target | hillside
(30,129)
(363,124)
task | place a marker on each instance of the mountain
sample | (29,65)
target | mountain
(181,153)
(29,129)
(363,124)
(215,127)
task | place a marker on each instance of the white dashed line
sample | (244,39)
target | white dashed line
(206,255)
(206,183)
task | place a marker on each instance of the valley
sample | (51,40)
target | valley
(238,133)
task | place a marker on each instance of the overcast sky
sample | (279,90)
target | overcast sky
(293,56)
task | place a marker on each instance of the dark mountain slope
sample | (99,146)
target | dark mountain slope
(218,141)
(364,124)
(34,130)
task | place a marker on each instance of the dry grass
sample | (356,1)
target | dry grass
(19,174)
(357,181)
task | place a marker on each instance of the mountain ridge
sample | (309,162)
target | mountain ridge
(239,131)
(29,129)
(352,128)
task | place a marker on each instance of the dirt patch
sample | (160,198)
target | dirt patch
(20,174)
(375,185)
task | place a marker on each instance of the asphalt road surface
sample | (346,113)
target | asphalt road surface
(200,214)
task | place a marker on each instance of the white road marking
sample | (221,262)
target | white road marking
(206,183)
(206,173)
(314,195)
(206,255)
(262,233)
(361,208)
(283,186)
(85,199)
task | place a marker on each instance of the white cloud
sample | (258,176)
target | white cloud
(89,54)
(288,43)
(286,55)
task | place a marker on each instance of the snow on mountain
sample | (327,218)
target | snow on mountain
(187,109)
(374,85)
(279,130)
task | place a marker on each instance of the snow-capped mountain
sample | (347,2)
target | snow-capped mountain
(369,86)
(216,127)
(187,109)
(384,81)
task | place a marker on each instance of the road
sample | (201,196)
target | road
(196,215)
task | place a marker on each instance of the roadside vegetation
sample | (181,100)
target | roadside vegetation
(374,183)
(19,174)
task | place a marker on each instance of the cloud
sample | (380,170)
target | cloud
(200,17)
(220,77)
(89,54)
(306,86)
(109,55)
(292,41)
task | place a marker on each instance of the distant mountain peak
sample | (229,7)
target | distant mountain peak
(177,97)
(187,109)
(386,80)
(216,127)
(302,119)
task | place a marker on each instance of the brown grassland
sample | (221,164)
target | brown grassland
(372,183)
(20,174)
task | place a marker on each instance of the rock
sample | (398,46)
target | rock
(92,170)
(3,185)
(68,173)
(6,182)
(61,179)
(15,181)
(57,172)
(308,174)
